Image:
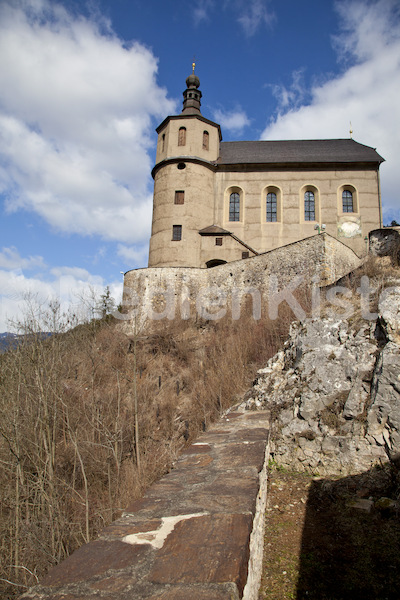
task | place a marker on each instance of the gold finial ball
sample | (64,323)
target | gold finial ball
(193,65)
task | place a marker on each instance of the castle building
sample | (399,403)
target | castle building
(217,202)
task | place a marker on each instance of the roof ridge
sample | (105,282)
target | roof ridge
(295,140)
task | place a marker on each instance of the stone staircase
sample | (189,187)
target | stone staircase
(196,534)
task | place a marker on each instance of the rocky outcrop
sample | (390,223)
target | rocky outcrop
(385,242)
(334,392)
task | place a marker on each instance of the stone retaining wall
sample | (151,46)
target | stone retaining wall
(169,292)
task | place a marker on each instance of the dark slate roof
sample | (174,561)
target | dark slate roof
(297,151)
(213,230)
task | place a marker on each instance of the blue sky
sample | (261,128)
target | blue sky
(84,84)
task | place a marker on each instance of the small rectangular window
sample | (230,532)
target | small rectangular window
(218,241)
(245,255)
(179,197)
(176,233)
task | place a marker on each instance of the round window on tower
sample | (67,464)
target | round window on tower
(181,165)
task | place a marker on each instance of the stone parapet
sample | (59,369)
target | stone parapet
(196,534)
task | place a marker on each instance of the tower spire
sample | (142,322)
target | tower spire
(192,95)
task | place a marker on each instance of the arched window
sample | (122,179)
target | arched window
(272,205)
(309,206)
(205,140)
(182,136)
(347,201)
(163,142)
(234,207)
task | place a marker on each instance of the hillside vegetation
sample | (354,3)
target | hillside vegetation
(90,417)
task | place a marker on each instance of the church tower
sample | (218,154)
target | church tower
(184,174)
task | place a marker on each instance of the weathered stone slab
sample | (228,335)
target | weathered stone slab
(196,592)
(92,559)
(197,448)
(188,537)
(205,549)
(242,455)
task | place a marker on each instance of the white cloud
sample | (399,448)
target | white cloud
(235,120)
(365,93)
(68,285)
(293,96)
(137,255)
(11,259)
(366,27)
(254,14)
(250,14)
(201,10)
(76,109)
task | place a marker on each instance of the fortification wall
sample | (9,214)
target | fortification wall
(168,292)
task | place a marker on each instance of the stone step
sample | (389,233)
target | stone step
(197,533)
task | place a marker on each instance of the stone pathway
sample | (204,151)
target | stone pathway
(197,533)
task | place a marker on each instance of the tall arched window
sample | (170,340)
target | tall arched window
(182,136)
(271,207)
(234,207)
(205,140)
(309,206)
(347,201)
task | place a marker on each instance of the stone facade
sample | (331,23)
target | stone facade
(196,176)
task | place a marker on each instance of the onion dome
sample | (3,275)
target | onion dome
(192,95)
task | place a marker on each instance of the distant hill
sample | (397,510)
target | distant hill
(8,340)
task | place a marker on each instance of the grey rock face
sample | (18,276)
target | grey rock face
(389,310)
(334,392)
(384,414)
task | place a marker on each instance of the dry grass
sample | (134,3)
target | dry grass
(90,418)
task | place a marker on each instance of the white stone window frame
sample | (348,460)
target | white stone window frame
(275,189)
(234,189)
(310,187)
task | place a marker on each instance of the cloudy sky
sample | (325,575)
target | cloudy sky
(84,84)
